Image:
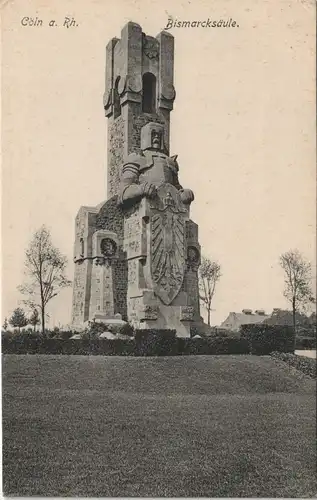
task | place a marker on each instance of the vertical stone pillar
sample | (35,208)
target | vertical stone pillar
(166,74)
(84,228)
(102,299)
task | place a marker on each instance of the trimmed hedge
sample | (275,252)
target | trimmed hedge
(155,342)
(60,346)
(255,339)
(165,343)
(145,343)
(263,339)
(305,343)
(212,345)
(302,363)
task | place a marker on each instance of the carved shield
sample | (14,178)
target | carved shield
(167,253)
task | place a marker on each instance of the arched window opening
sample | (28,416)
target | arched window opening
(148,93)
(116,100)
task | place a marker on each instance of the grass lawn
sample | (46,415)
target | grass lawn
(212,426)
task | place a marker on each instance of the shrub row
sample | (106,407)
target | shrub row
(302,363)
(166,343)
(145,343)
(30,333)
(306,343)
(263,339)
(60,346)
(255,339)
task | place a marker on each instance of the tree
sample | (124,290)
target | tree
(209,275)
(297,282)
(34,318)
(18,318)
(5,324)
(285,317)
(45,268)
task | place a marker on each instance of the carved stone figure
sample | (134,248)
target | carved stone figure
(167,243)
(142,174)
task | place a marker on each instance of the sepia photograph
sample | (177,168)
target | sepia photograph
(158,285)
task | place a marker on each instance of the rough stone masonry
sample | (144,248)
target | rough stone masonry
(137,254)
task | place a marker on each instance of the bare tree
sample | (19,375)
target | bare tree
(45,268)
(297,281)
(18,318)
(209,275)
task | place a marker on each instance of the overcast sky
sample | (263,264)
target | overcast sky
(243,127)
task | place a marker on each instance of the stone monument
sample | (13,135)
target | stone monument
(137,254)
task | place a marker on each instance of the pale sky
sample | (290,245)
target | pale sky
(243,127)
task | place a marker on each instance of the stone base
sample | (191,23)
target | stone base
(148,312)
(182,329)
(168,317)
(106,319)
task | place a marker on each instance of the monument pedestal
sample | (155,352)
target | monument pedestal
(156,250)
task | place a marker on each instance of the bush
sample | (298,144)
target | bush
(194,330)
(212,345)
(146,343)
(305,343)
(127,330)
(19,337)
(302,363)
(165,342)
(95,329)
(59,346)
(306,332)
(64,334)
(153,342)
(263,339)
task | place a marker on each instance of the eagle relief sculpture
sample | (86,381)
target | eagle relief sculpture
(153,175)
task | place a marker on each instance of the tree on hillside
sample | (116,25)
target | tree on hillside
(45,270)
(209,275)
(18,318)
(34,319)
(297,281)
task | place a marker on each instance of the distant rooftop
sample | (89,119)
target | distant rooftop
(245,317)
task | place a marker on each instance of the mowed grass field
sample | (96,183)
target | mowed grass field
(212,426)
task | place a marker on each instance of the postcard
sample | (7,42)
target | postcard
(158,248)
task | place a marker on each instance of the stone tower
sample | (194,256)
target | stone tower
(139,89)
(137,254)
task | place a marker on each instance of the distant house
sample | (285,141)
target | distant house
(246,317)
